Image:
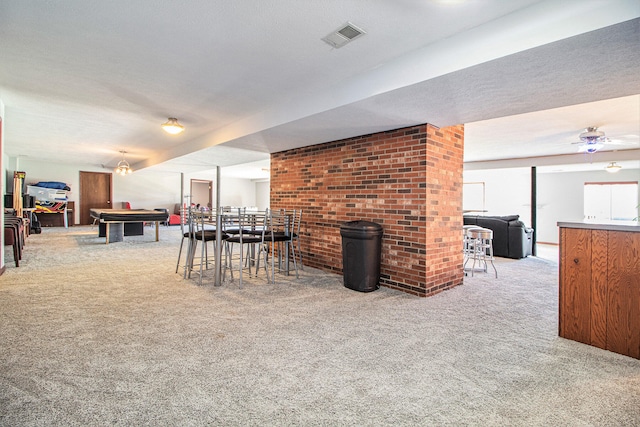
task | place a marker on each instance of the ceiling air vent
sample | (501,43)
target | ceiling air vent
(343,35)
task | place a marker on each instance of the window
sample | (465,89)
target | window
(611,200)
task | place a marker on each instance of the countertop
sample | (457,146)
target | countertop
(633,226)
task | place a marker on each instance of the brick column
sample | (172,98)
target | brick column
(445,149)
(408,180)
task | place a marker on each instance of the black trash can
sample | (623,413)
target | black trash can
(361,247)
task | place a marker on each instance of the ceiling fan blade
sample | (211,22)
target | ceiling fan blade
(590,148)
(625,140)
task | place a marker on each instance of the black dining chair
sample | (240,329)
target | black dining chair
(197,232)
(246,232)
(279,240)
(295,236)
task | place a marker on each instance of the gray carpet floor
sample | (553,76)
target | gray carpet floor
(95,334)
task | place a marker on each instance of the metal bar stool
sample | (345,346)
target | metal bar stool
(467,242)
(248,230)
(189,235)
(204,235)
(281,226)
(480,248)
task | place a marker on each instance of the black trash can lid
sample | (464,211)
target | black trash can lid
(361,226)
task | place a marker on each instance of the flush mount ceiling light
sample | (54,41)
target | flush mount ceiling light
(613,167)
(123,167)
(343,35)
(172,126)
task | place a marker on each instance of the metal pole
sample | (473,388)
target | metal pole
(218,251)
(534,209)
(181,210)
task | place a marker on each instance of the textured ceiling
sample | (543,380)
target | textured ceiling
(82,80)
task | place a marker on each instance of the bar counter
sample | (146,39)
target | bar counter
(599,295)
(632,226)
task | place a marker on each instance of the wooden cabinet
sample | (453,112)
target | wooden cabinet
(600,288)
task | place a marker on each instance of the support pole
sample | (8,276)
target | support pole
(534,208)
(218,272)
(181,210)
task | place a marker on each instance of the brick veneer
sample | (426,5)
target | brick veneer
(408,180)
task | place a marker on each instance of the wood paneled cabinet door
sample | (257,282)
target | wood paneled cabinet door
(600,289)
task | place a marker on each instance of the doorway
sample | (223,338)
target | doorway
(201,193)
(95,192)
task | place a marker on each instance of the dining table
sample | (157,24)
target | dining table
(229,218)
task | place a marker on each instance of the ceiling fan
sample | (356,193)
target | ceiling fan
(592,140)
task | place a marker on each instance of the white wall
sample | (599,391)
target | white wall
(560,196)
(45,171)
(142,189)
(237,192)
(507,191)
(263,195)
(147,190)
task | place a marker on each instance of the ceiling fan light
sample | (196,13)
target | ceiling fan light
(592,135)
(172,126)
(613,167)
(590,147)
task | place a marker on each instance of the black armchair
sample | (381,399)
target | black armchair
(511,238)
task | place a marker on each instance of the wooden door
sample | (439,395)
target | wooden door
(95,192)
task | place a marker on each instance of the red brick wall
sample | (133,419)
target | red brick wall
(408,180)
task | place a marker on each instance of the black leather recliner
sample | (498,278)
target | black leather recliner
(511,238)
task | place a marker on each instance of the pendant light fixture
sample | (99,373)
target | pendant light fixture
(172,126)
(123,167)
(613,167)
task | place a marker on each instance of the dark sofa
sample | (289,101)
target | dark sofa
(511,238)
